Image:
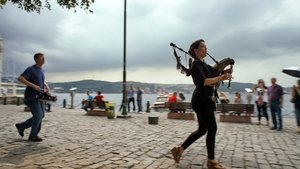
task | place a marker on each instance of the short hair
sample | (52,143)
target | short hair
(35,57)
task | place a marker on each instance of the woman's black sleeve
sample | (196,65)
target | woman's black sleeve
(198,74)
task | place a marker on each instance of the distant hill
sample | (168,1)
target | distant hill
(116,87)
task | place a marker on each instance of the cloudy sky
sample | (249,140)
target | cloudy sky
(262,36)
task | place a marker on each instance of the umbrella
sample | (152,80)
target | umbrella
(293,71)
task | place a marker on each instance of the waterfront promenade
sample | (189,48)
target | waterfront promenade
(73,140)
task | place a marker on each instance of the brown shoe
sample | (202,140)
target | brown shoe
(176,154)
(213,164)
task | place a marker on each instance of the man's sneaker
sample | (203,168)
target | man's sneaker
(20,129)
(35,139)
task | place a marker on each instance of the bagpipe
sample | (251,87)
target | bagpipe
(218,67)
(45,96)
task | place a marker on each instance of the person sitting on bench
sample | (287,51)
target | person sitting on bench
(99,99)
(87,103)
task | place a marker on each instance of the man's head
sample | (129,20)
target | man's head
(273,80)
(39,59)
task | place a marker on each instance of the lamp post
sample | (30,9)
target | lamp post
(1,58)
(124,100)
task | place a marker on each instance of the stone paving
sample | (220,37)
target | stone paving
(73,140)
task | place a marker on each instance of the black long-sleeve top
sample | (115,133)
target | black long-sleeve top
(201,96)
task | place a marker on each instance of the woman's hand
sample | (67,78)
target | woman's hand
(229,70)
(226,76)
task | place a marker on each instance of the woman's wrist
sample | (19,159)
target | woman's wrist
(219,78)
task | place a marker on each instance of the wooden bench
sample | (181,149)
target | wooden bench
(240,113)
(94,110)
(178,111)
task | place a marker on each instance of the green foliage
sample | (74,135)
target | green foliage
(38,5)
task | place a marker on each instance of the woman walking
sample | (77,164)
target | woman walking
(261,100)
(296,97)
(203,102)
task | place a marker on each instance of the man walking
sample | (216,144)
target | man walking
(139,99)
(275,96)
(34,79)
(130,96)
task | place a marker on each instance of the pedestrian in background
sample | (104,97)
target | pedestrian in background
(237,98)
(34,79)
(99,99)
(223,98)
(139,99)
(130,95)
(296,100)
(173,98)
(275,97)
(261,100)
(181,97)
(88,102)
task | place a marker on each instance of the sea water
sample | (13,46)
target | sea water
(287,110)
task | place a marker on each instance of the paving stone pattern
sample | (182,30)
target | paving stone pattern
(73,140)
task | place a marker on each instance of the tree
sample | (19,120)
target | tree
(37,5)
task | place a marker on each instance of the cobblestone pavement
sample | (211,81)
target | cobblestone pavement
(73,140)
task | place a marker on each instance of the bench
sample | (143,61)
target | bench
(240,113)
(94,110)
(178,111)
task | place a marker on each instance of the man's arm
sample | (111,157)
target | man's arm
(47,88)
(27,83)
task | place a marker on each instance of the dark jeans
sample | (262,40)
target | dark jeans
(276,113)
(38,112)
(262,110)
(139,104)
(133,102)
(206,123)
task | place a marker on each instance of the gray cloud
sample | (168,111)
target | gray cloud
(75,42)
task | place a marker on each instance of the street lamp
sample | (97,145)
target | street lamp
(124,99)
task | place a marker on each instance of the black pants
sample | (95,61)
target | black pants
(133,102)
(207,123)
(262,110)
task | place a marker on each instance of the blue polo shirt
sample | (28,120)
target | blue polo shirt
(35,75)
